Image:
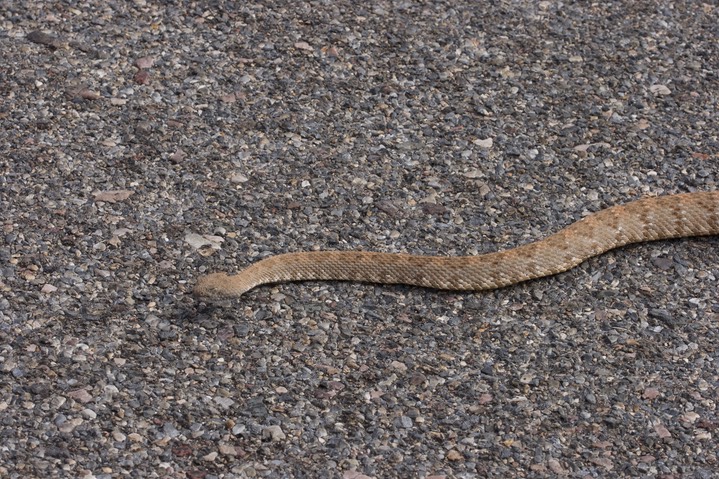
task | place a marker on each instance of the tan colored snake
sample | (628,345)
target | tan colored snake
(648,219)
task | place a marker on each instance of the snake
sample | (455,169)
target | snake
(647,219)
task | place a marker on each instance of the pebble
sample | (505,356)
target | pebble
(273,432)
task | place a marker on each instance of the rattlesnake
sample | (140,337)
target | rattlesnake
(648,219)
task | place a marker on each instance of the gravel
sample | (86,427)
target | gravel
(146,143)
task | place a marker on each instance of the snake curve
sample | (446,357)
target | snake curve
(647,219)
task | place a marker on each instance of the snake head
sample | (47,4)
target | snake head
(212,286)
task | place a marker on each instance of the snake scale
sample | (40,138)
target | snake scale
(648,219)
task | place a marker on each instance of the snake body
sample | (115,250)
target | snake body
(648,219)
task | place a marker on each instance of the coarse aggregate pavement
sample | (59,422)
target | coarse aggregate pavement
(146,143)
